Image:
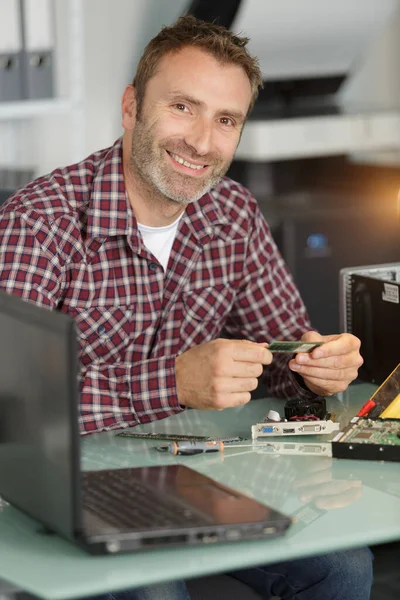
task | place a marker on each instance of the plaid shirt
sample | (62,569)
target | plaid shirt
(69,241)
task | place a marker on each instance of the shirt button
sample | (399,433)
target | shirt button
(153,266)
(101,330)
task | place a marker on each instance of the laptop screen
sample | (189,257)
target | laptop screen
(39,441)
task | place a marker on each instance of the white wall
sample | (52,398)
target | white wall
(375,80)
(115,33)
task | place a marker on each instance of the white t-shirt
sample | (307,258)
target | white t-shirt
(159,240)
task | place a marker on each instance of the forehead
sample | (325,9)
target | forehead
(198,73)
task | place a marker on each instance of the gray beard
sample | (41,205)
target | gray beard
(155,178)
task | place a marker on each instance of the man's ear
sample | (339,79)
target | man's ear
(128,105)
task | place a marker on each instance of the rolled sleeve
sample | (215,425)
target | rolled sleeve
(122,394)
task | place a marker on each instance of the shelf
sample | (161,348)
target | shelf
(26,109)
(319,136)
(26,138)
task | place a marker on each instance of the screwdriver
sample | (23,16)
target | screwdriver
(190,448)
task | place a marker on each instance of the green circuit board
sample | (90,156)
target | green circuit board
(372,431)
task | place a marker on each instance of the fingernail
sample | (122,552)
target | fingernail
(302,358)
(318,354)
(294,367)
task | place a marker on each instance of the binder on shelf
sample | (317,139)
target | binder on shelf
(38,38)
(11,84)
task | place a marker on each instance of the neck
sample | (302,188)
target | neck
(149,206)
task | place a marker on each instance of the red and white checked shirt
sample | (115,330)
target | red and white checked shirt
(69,241)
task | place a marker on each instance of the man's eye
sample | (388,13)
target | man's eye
(227,121)
(181,107)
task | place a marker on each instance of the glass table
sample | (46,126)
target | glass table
(336,504)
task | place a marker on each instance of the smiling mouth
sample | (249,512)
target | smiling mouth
(186,163)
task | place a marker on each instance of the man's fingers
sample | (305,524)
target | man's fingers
(321,374)
(223,401)
(244,351)
(332,366)
(336,345)
(238,399)
(344,361)
(231,385)
(219,374)
(318,372)
(313,336)
(244,369)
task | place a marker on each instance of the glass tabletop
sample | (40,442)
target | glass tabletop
(336,504)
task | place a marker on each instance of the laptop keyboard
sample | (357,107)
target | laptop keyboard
(124,502)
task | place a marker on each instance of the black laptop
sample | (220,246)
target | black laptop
(105,511)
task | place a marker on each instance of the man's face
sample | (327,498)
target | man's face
(190,124)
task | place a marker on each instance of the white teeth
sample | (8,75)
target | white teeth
(185,162)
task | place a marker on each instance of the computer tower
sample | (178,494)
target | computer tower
(370,309)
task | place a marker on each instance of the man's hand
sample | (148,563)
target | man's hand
(329,368)
(220,374)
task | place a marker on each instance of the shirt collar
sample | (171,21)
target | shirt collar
(110,212)
(205,217)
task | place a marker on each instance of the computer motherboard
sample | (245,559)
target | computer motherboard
(369,439)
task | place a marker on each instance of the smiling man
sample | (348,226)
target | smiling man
(155,254)
(180,139)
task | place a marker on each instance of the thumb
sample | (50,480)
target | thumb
(312,336)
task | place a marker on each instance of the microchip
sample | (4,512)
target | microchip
(365,435)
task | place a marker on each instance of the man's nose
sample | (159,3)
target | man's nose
(199,137)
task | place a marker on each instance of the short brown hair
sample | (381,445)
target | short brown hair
(218,41)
